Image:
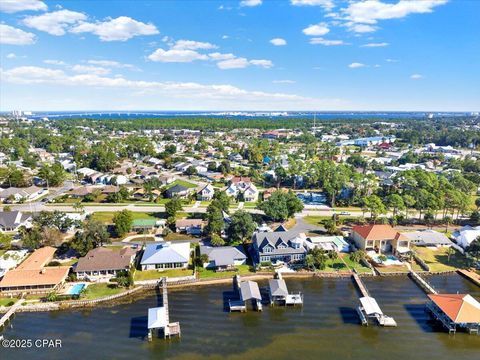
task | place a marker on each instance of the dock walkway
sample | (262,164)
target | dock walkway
(470,275)
(361,287)
(10,313)
(422,283)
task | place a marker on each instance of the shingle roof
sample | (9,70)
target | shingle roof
(278,287)
(428,237)
(223,255)
(249,290)
(101,259)
(10,219)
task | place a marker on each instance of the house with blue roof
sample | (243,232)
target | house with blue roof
(165,255)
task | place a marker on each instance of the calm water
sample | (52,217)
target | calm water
(326,328)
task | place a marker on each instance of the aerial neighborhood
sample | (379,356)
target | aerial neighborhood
(96,209)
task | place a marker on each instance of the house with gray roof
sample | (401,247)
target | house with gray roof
(166,255)
(429,238)
(223,257)
(177,190)
(12,220)
(279,246)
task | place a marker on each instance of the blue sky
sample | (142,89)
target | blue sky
(240,55)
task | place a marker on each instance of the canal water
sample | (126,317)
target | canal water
(326,327)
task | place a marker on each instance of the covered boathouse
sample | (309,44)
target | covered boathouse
(455,311)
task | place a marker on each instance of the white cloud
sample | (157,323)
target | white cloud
(12,6)
(54,23)
(173,55)
(326,42)
(54,62)
(356,65)
(221,56)
(326,4)
(370,11)
(267,64)
(217,95)
(235,63)
(416,76)
(283,81)
(250,3)
(11,56)
(360,28)
(316,30)
(278,42)
(192,45)
(88,69)
(111,64)
(119,29)
(382,44)
(224,37)
(391,60)
(13,36)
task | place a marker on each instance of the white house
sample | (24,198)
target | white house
(466,235)
(251,193)
(166,255)
(206,193)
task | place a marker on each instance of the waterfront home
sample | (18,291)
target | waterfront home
(279,246)
(32,276)
(166,255)
(382,239)
(206,193)
(329,243)
(190,226)
(428,238)
(223,257)
(177,190)
(455,310)
(101,264)
(11,220)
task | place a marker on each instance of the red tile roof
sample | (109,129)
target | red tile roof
(377,232)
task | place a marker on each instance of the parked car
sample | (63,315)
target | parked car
(345,213)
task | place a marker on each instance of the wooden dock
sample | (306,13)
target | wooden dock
(6,317)
(361,287)
(422,283)
(470,275)
(162,316)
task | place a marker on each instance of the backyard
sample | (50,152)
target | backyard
(437,259)
(154,274)
(95,291)
(207,273)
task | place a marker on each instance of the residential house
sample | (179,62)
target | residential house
(251,193)
(32,276)
(11,220)
(329,243)
(466,235)
(430,238)
(223,257)
(166,255)
(206,193)
(190,226)
(380,239)
(15,195)
(283,246)
(101,264)
(177,190)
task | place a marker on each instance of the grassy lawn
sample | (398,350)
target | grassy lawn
(94,291)
(206,273)
(437,260)
(392,269)
(154,274)
(107,216)
(7,301)
(178,236)
(183,183)
(354,265)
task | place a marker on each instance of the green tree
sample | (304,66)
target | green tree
(280,205)
(173,206)
(241,226)
(374,205)
(216,240)
(395,202)
(123,222)
(93,234)
(215,220)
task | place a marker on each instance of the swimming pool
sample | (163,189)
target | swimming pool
(391,260)
(76,289)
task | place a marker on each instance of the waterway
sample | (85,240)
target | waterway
(325,328)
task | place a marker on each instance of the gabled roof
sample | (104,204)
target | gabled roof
(460,308)
(177,189)
(278,287)
(11,219)
(223,255)
(249,290)
(101,258)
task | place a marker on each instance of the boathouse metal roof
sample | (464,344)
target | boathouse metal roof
(278,287)
(157,317)
(249,290)
(370,305)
